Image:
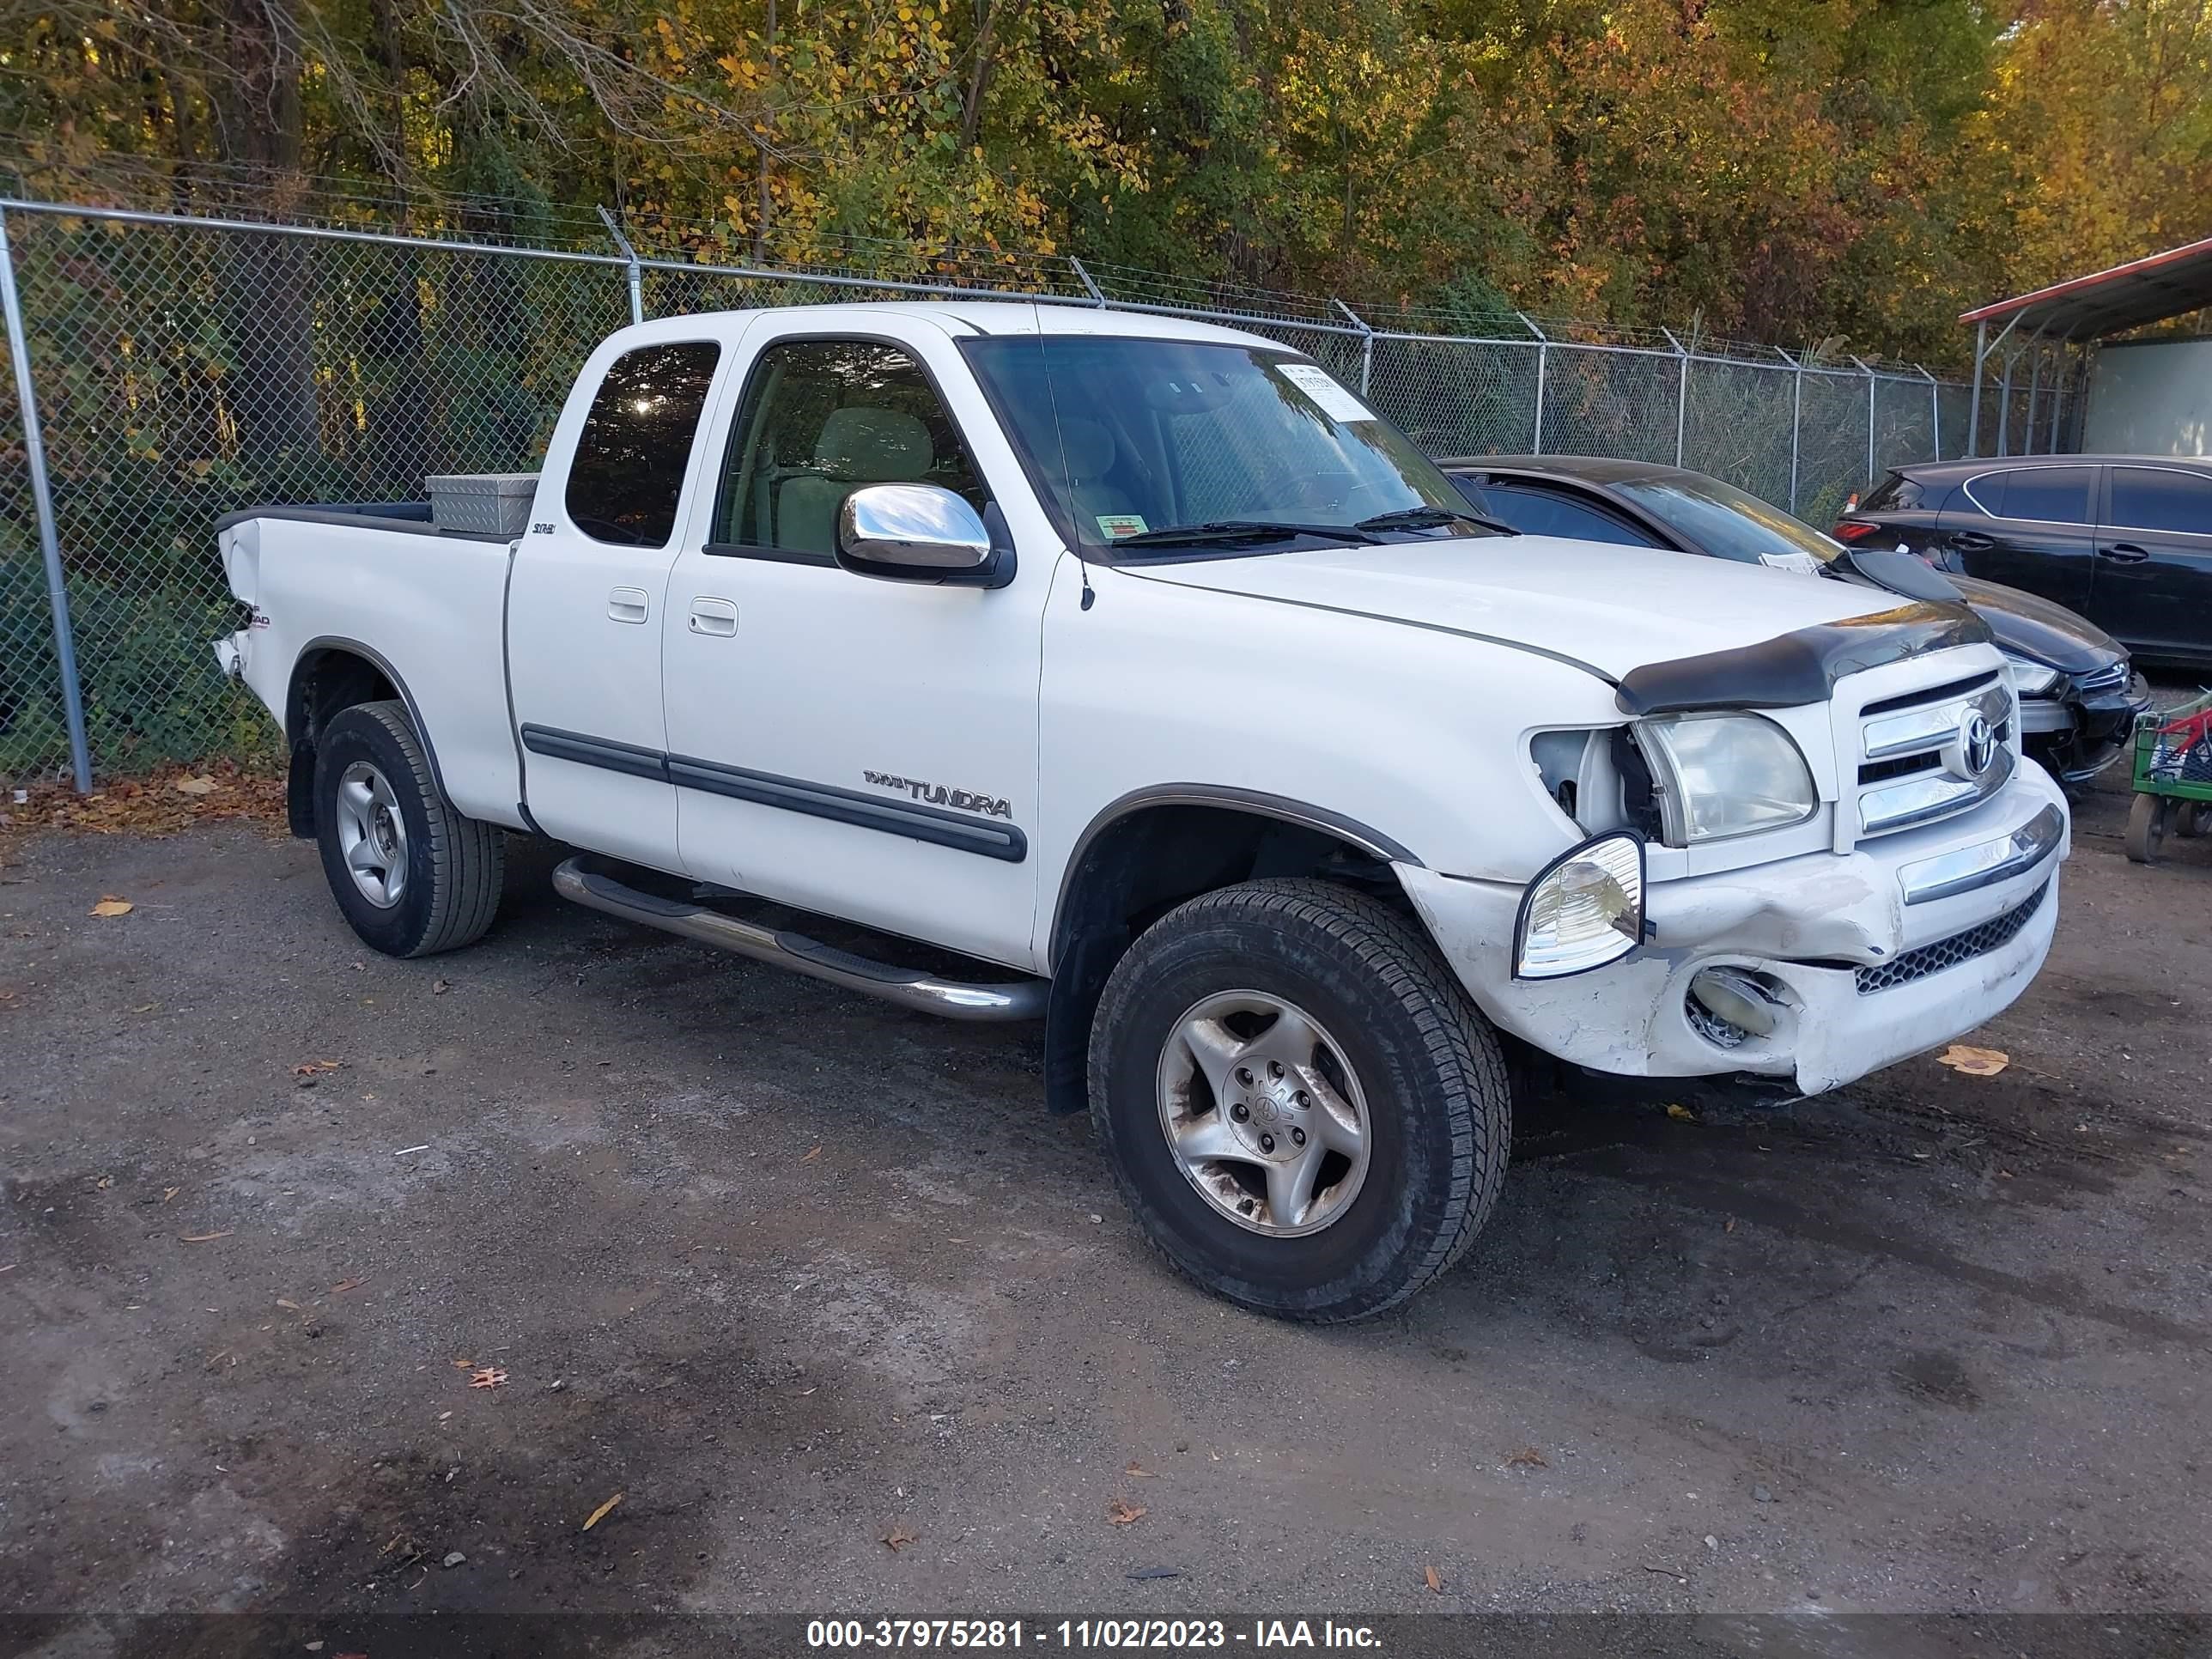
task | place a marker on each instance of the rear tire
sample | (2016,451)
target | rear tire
(2145,828)
(411,874)
(1363,1123)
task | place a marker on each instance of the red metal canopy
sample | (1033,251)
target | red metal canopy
(2132,295)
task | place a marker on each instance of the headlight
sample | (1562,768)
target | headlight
(2030,679)
(1583,911)
(1718,775)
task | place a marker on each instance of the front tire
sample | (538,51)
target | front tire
(1302,1108)
(411,874)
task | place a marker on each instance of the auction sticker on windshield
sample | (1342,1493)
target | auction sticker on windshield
(1115,526)
(1335,402)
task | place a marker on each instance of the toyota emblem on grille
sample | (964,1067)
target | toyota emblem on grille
(1977,744)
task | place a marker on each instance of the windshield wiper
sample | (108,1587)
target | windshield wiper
(1423,517)
(1239,530)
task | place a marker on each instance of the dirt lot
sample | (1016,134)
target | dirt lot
(794,1274)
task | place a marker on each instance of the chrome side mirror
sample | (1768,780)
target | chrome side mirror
(919,532)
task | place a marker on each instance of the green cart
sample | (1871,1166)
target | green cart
(2173,777)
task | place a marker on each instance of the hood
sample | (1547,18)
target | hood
(2040,629)
(1606,608)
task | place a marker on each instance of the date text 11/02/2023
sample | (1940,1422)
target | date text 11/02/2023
(1165,1634)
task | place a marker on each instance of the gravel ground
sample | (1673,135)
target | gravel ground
(795,1274)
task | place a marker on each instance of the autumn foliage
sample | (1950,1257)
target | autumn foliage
(1779,168)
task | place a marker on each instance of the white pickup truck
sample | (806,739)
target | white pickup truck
(1139,670)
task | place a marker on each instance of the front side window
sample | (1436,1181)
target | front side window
(1135,442)
(628,472)
(2160,498)
(1538,511)
(2048,495)
(819,419)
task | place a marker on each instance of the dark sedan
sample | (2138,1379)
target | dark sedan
(2079,696)
(2126,540)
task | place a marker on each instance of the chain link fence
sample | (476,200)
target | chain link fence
(182,368)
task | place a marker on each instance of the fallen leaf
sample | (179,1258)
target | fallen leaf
(110,905)
(169,1192)
(1140,1473)
(602,1512)
(1434,1582)
(1679,1113)
(898,1538)
(1970,1061)
(2004,1174)
(1731,1226)
(464,1365)
(205,1238)
(199,786)
(291,1307)
(309,1068)
(1122,1513)
(811,1155)
(104,1183)
(345,1285)
(1527,1457)
(439,988)
(488,1376)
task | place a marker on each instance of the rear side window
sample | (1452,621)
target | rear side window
(1542,512)
(1895,493)
(628,468)
(2160,498)
(2048,495)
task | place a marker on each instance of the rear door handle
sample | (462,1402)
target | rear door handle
(1972,541)
(2124,553)
(711,616)
(629,604)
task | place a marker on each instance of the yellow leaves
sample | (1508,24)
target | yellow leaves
(110,905)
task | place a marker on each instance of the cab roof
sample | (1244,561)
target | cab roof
(969,317)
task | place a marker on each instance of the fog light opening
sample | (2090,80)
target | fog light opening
(1729,1007)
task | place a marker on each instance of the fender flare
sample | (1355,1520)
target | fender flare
(377,660)
(1254,802)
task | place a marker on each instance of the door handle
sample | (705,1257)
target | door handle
(711,616)
(1972,541)
(629,604)
(2124,553)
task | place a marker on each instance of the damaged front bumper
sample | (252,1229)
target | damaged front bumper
(1863,958)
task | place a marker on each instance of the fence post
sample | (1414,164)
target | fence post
(2034,386)
(1681,391)
(1543,365)
(1935,412)
(1860,362)
(1098,293)
(1366,344)
(636,272)
(42,502)
(1796,412)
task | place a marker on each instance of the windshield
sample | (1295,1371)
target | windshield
(1172,445)
(1729,524)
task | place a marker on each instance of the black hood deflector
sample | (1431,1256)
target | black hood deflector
(1797,668)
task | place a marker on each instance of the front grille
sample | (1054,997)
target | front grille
(1978,941)
(1913,763)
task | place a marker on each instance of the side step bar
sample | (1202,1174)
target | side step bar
(580,879)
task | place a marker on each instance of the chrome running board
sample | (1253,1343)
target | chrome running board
(580,879)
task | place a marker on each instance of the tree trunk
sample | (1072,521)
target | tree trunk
(270,390)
